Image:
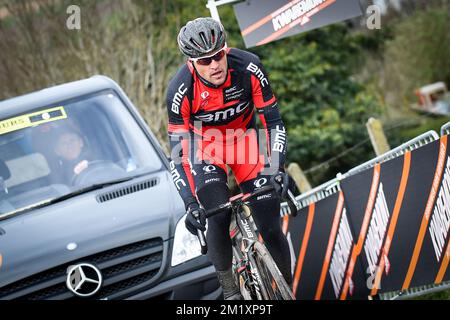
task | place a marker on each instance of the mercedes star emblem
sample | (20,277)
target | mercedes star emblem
(84,279)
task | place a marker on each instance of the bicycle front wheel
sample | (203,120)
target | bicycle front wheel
(271,281)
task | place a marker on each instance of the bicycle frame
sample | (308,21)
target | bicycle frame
(243,237)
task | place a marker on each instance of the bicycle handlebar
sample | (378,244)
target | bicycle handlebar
(202,240)
(292,203)
(240,197)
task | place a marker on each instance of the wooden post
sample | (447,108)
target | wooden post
(299,177)
(377,137)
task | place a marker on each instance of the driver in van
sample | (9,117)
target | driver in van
(71,151)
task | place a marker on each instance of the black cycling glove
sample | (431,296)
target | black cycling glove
(195,218)
(282,182)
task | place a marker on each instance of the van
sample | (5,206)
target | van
(88,208)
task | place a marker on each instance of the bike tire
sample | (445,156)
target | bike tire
(269,274)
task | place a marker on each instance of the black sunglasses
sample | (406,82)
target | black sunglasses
(207,61)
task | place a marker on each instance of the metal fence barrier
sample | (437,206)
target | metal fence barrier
(445,129)
(316,194)
(330,187)
(412,144)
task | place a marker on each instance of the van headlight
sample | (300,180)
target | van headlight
(185,245)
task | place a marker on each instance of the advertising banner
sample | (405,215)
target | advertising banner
(386,230)
(263,21)
(401,215)
(322,240)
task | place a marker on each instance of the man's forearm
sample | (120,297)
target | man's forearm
(180,169)
(276,135)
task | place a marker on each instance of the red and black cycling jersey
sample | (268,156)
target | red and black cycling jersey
(196,106)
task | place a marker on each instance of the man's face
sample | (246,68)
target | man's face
(215,72)
(69,146)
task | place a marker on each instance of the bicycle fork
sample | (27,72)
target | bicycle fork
(243,238)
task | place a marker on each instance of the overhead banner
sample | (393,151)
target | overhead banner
(263,21)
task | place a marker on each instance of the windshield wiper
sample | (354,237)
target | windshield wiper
(75,193)
(89,188)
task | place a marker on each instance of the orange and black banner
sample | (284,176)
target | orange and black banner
(322,242)
(263,21)
(401,217)
(386,230)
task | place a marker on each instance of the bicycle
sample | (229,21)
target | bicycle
(256,273)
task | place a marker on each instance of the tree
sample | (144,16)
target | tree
(131,41)
(134,43)
(418,54)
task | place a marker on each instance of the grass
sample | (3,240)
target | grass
(442,295)
(401,131)
(433,123)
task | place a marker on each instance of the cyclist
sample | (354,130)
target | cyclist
(211,104)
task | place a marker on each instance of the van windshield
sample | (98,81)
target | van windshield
(56,150)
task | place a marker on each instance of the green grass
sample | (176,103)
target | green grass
(428,124)
(442,295)
(412,127)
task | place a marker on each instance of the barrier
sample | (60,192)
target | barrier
(382,228)
(413,144)
(445,129)
(314,195)
(332,186)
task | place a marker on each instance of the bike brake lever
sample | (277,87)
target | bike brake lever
(294,205)
(294,202)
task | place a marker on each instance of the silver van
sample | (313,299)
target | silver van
(88,208)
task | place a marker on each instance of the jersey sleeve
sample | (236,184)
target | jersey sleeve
(178,107)
(267,108)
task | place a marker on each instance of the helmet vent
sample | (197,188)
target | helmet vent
(213,37)
(202,36)
(195,43)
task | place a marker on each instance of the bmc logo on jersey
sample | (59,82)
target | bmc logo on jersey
(253,68)
(176,102)
(223,115)
(176,176)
